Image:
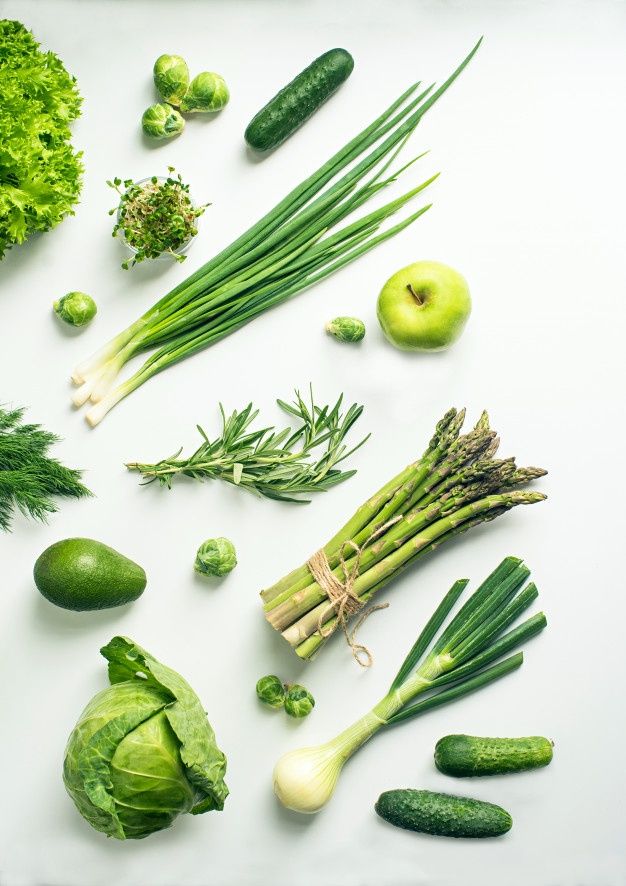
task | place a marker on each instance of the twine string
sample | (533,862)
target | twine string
(342,599)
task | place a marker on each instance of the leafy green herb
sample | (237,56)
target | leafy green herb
(276,464)
(29,478)
(40,173)
(155,216)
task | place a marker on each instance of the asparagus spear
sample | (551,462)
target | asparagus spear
(385,569)
(456,484)
(376,511)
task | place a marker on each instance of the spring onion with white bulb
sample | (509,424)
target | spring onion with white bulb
(285,252)
(443,666)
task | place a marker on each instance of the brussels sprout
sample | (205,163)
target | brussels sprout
(207,92)
(216,556)
(298,702)
(142,752)
(171,78)
(348,329)
(162,121)
(271,691)
(75,308)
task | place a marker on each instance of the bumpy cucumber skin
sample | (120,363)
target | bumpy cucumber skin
(442,815)
(297,101)
(470,755)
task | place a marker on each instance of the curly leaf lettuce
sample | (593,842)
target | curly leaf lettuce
(142,752)
(40,173)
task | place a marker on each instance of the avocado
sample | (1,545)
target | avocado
(81,574)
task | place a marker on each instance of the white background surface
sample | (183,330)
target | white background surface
(530,209)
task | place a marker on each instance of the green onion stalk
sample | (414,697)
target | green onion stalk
(457,484)
(292,247)
(443,666)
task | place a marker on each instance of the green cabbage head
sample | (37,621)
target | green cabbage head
(142,752)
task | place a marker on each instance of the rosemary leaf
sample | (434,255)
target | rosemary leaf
(285,465)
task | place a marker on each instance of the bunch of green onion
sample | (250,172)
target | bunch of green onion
(456,485)
(442,667)
(286,251)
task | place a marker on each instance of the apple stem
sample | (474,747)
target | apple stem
(418,298)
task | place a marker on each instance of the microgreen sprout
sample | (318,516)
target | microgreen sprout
(155,216)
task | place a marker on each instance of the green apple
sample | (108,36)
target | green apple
(424,307)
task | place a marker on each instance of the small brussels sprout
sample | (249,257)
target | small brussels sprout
(271,691)
(348,329)
(171,78)
(162,121)
(298,701)
(75,308)
(217,556)
(207,92)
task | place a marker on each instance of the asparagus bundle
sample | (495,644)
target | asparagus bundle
(456,484)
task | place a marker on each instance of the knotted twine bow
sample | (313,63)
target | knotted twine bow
(342,599)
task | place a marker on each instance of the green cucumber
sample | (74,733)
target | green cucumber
(467,755)
(296,102)
(443,815)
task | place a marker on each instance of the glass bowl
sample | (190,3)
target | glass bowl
(181,250)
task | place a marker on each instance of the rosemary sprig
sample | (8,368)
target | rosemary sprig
(29,478)
(283,465)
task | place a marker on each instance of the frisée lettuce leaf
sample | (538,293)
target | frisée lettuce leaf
(40,173)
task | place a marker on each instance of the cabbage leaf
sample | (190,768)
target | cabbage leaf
(142,752)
